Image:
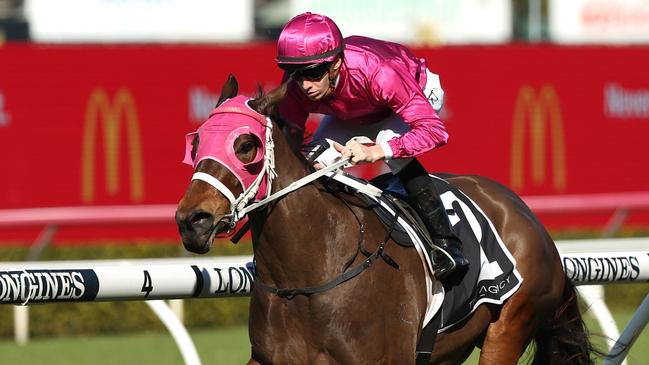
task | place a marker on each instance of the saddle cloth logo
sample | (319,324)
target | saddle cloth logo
(492,276)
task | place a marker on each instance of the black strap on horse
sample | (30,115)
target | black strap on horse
(427,339)
(241,232)
(290,293)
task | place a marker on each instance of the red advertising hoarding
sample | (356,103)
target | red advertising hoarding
(105,125)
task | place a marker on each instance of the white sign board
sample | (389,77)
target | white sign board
(417,21)
(140,20)
(599,21)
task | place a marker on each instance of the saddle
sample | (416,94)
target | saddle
(492,276)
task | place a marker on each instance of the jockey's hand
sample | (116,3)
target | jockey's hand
(360,153)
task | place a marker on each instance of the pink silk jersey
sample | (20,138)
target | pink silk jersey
(377,78)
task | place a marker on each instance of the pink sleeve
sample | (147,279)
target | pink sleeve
(393,85)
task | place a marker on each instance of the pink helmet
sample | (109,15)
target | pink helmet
(309,38)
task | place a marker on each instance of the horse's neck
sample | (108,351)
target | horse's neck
(297,232)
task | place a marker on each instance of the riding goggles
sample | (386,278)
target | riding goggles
(312,73)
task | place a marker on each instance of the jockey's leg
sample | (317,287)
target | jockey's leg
(416,181)
(426,201)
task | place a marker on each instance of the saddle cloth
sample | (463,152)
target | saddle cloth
(492,276)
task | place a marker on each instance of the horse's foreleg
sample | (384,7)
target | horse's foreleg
(507,338)
(253,362)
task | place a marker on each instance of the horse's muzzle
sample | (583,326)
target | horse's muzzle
(197,230)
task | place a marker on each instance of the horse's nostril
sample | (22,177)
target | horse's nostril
(201,222)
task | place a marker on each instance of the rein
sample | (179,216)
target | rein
(294,186)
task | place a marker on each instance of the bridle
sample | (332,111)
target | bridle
(238,205)
(241,206)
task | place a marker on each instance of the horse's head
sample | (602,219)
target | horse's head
(232,155)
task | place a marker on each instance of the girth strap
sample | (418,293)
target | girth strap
(427,339)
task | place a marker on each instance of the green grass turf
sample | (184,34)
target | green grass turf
(221,346)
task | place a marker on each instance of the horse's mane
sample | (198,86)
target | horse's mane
(267,104)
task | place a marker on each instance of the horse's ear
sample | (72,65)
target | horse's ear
(230,89)
(267,104)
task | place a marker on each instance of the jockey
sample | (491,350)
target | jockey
(373,88)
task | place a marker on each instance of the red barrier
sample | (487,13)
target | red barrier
(104,125)
(134,214)
(163,214)
(588,203)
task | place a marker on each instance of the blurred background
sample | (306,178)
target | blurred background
(549,97)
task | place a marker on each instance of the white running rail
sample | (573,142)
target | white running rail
(587,263)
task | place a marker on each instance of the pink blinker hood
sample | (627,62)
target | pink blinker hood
(228,121)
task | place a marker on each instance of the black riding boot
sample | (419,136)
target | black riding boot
(429,206)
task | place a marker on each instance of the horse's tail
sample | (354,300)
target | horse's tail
(564,338)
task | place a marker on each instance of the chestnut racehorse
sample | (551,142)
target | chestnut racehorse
(311,235)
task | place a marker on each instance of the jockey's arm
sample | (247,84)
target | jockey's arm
(357,152)
(401,93)
(360,153)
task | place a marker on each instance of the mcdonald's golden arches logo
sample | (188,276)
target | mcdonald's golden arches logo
(538,111)
(101,111)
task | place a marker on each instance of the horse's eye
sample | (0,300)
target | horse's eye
(246,147)
(195,142)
